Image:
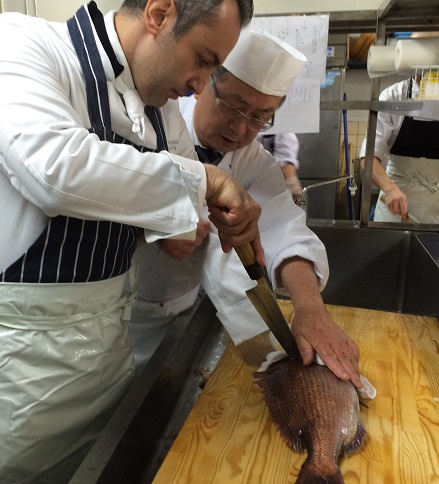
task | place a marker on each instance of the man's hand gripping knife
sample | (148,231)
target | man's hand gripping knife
(233,212)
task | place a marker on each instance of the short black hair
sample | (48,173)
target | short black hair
(192,12)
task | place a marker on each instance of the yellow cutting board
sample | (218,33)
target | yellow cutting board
(229,437)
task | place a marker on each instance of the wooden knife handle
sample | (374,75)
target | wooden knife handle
(247,255)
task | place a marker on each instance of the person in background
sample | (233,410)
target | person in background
(285,148)
(86,169)
(411,180)
(223,120)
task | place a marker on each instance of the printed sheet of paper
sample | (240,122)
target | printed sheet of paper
(300,112)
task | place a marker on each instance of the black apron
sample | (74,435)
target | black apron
(417,139)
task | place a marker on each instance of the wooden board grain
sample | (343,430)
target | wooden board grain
(229,437)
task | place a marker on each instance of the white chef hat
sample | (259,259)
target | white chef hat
(264,62)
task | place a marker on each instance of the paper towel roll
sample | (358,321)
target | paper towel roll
(381,60)
(416,52)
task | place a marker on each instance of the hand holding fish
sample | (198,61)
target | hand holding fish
(313,328)
(315,331)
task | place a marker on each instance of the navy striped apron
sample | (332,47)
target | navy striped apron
(71,249)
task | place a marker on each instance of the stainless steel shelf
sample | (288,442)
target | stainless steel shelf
(344,105)
(417,109)
(399,15)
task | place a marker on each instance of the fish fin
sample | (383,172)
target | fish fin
(277,412)
(362,401)
(357,441)
(311,473)
(293,441)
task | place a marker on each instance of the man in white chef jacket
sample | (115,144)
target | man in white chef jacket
(285,148)
(239,102)
(410,181)
(86,169)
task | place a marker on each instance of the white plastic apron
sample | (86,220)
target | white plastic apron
(418,178)
(84,366)
(161,301)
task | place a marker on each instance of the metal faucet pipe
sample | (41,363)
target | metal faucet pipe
(304,201)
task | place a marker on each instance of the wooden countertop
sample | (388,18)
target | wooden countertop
(229,437)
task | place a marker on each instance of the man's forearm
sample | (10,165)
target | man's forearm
(379,176)
(312,326)
(300,280)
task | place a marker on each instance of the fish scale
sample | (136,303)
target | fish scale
(315,412)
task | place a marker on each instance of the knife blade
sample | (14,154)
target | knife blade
(265,301)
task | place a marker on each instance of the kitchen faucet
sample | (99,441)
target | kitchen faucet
(304,202)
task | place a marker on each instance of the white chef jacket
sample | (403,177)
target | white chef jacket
(284,234)
(44,124)
(285,149)
(404,170)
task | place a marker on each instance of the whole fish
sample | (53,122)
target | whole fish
(314,411)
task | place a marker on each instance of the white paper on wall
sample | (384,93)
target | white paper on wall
(300,112)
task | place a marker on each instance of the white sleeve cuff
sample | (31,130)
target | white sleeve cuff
(242,321)
(196,167)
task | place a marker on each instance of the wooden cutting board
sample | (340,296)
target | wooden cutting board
(229,437)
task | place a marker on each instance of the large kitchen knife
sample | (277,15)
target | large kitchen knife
(265,301)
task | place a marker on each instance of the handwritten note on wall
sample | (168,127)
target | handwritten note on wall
(309,34)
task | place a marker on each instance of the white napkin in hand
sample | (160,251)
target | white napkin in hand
(368,390)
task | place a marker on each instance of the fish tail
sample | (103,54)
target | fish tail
(311,473)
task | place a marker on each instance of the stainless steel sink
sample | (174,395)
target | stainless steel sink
(384,269)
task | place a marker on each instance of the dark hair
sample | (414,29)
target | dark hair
(192,12)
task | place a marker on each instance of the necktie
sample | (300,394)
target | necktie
(268,142)
(133,102)
(154,117)
(207,155)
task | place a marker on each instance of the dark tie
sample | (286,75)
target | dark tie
(154,116)
(207,155)
(268,142)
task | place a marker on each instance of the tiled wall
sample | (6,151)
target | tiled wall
(358,88)
(356,134)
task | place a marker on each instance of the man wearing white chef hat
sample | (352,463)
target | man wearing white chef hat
(239,102)
(264,62)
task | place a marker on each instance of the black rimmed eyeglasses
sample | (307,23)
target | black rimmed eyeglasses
(230,112)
